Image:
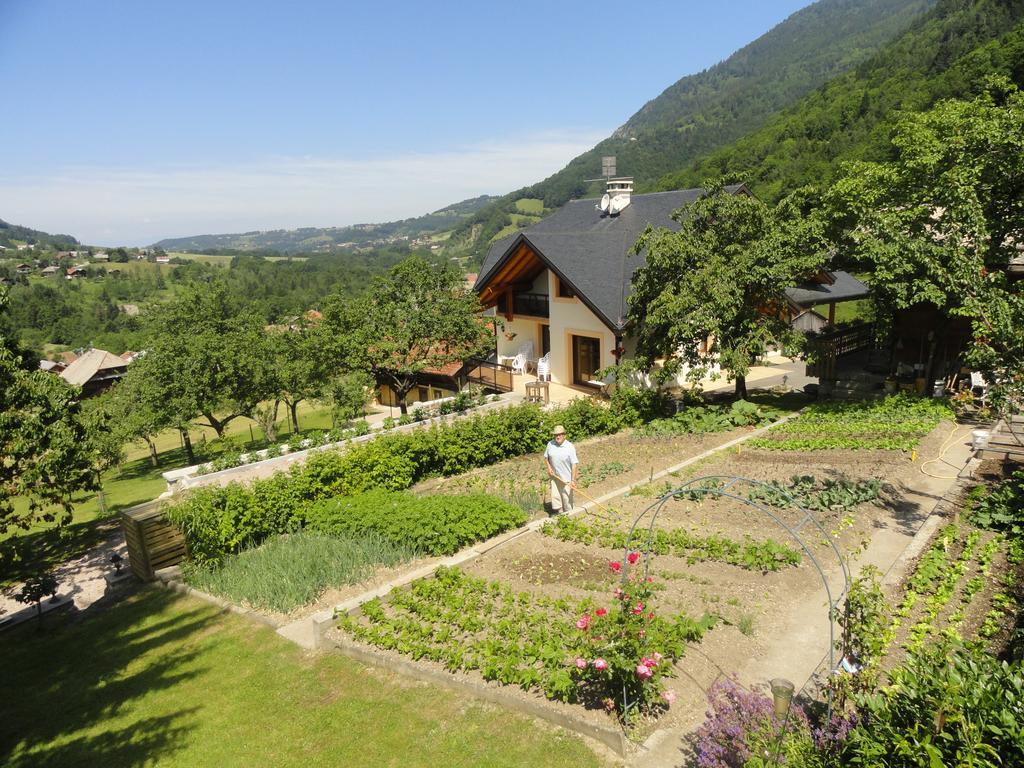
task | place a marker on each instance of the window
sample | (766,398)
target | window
(564,291)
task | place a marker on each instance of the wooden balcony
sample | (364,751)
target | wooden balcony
(530,304)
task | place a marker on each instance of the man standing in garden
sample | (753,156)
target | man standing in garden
(562,464)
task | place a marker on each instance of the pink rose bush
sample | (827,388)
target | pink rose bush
(625,650)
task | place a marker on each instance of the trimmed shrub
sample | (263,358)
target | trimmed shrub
(220,521)
(434,525)
(634,406)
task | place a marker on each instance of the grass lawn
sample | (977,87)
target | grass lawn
(161,679)
(530,205)
(219,260)
(847,311)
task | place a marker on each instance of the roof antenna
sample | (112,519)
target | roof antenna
(607,172)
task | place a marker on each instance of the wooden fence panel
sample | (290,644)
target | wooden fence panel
(153,542)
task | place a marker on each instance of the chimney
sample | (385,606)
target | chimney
(619,191)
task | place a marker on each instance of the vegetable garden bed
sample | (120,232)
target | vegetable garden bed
(716,565)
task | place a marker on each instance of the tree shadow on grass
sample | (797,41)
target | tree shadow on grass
(74,693)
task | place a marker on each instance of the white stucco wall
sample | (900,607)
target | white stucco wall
(572,317)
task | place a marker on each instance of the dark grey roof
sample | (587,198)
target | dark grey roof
(589,250)
(845,288)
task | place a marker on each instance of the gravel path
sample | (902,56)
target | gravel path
(80,580)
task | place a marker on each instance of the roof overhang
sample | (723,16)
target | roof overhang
(519,265)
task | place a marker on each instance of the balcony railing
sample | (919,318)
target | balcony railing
(488,374)
(531,304)
(825,349)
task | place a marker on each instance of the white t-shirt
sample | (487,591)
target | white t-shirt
(561,458)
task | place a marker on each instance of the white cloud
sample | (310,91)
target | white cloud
(104,206)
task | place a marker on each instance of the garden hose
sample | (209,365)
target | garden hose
(942,452)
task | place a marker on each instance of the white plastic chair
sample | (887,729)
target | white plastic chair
(544,368)
(519,364)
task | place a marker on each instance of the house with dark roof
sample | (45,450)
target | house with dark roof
(561,286)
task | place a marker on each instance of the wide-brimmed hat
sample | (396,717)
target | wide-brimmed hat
(559,430)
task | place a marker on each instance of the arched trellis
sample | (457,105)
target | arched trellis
(731,486)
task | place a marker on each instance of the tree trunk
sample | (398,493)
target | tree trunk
(216,424)
(153,459)
(741,387)
(267,419)
(186,441)
(293,408)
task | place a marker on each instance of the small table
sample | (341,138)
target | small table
(537,392)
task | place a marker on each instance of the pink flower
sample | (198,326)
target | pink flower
(632,557)
(649,662)
(669,697)
(600,665)
(642,633)
(643,671)
(619,594)
(638,609)
(657,656)
(615,565)
(583,622)
(581,663)
(601,611)
(649,579)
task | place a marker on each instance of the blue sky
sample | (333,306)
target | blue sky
(126,122)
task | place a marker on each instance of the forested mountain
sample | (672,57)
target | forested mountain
(703,112)
(313,239)
(10,233)
(946,53)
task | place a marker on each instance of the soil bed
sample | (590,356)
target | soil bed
(749,603)
(606,463)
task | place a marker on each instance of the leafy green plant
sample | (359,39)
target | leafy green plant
(711,418)
(531,641)
(434,525)
(768,555)
(947,705)
(895,423)
(1000,507)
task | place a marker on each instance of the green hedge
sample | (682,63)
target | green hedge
(433,525)
(220,520)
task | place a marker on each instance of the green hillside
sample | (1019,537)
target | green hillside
(706,111)
(12,235)
(947,53)
(328,239)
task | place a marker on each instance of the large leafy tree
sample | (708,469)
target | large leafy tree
(302,367)
(210,357)
(45,452)
(713,290)
(941,222)
(417,317)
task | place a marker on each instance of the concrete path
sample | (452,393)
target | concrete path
(81,581)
